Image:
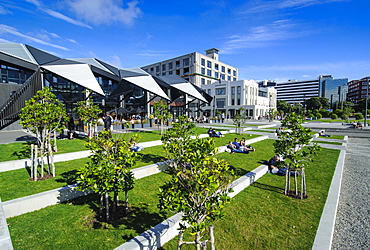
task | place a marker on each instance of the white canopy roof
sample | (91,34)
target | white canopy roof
(147,82)
(78,73)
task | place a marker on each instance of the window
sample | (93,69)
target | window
(164,73)
(203,71)
(209,91)
(238,89)
(229,71)
(234,72)
(146,70)
(203,62)
(177,64)
(232,90)
(216,74)
(234,79)
(202,81)
(170,65)
(177,72)
(222,76)
(229,78)
(232,101)
(186,70)
(216,66)
(223,68)
(185,62)
(163,67)
(157,69)
(220,103)
(221,91)
(208,81)
(209,64)
(170,72)
(209,72)
(151,69)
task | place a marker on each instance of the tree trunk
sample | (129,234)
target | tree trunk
(286,183)
(179,243)
(126,202)
(296,182)
(101,204)
(35,163)
(52,160)
(107,205)
(55,148)
(32,160)
(197,241)
(212,237)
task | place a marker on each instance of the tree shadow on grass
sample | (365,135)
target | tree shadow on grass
(139,218)
(150,158)
(25,151)
(68,177)
(267,187)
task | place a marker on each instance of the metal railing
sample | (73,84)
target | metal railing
(9,112)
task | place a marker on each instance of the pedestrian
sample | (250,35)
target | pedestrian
(107,121)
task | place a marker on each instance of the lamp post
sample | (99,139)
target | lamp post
(367,94)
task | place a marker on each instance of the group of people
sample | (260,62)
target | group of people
(274,166)
(213,133)
(239,147)
(357,124)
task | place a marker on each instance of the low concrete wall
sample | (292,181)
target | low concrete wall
(162,233)
(5,241)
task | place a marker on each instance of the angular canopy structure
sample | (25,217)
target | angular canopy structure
(143,80)
(182,85)
(77,73)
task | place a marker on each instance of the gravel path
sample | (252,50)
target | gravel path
(352,226)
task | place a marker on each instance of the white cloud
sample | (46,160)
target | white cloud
(115,61)
(4,11)
(105,11)
(260,36)
(58,15)
(5,29)
(286,4)
(154,52)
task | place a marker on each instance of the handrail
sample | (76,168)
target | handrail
(9,112)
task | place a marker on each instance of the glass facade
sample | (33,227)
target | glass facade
(13,75)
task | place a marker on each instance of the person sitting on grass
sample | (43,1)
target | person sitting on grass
(243,150)
(244,146)
(212,133)
(135,147)
(322,133)
(274,167)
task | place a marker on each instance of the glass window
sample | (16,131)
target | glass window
(223,68)
(157,69)
(209,72)
(220,91)
(177,64)
(234,72)
(170,65)
(202,81)
(220,103)
(232,90)
(177,72)
(216,74)
(163,67)
(234,79)
(228,71)
(170,72)
(222,77)
(164,73)
(208,81)
(216,66)
(238,89)
(229,78)
(203,62)
(203,71)
(151,69)
(232,101)
(209,64)
(186,70)
(185,62)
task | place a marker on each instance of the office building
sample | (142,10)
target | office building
(358,89)
(294,91)
(196,68)
(228,97)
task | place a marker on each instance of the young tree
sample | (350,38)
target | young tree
(239,119)
(284,106)
(43,115)
(109,170)
(199,184)
(162,113)
(292,146)
(88,112)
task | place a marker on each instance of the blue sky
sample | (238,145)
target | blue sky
(275,39)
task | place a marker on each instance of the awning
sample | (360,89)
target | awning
(77,73)
(147,82)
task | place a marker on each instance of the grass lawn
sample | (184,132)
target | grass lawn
(328,142)
(258,217)
(264,131)
(261,217)
(72,225)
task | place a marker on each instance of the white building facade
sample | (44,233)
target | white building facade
(196,68)
(228,97)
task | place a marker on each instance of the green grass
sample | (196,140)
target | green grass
(264,131)
(261,217)
(328,142)
(258,217)
(71,225)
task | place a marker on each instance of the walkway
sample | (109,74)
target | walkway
(352,226)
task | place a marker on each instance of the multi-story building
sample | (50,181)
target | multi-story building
(196,68)
(358,89)
(228,97)
(295,91)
